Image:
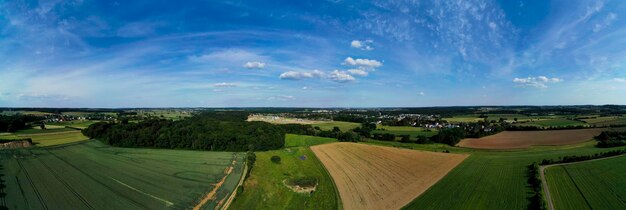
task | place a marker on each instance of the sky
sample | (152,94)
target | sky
(303,53)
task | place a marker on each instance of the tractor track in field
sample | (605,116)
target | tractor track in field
(98,181)
(43,204)
(545,183)
(65,184)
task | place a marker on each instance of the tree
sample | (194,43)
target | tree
(42,126)
(421,140)
(275,159)
(349,137)
(336,129)
(405,139)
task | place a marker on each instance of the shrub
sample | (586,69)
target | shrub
(275,159)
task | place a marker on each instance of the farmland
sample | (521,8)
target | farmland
(266,188)
(588,185)
(292,140)
(374,177)
(92,175)
(553,123)
(405,130)
(491,179)
(525,139)
(604,121)
(324,125)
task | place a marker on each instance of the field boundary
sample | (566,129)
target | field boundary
(234,193)
(319,162)
(544,182)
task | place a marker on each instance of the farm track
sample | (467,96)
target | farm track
(69,188)
(99,182)
(545,183)
(43,204)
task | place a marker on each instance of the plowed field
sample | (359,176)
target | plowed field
(376,177)
(525,139)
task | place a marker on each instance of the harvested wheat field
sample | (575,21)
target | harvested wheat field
(377,177)
(525,139)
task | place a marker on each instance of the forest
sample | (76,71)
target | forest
(213,131)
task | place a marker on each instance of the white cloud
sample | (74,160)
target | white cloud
(280,98)
(227,55)
(225,84)
(340,76)
(421,93)
(606,22)
(364,63)
(492,25)
(363,45)
(254,65)
(536,82)
(358,72)
(619,79)
(296,75)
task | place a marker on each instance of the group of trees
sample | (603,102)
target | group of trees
(611,139)
(16,122)
(347,136)
(534,181)
(206,131)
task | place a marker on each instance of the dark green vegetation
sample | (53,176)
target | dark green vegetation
(589,185)
(293,140)
(534,181)
(16,122)
(93,175)
(611,139)
(207,131)
(267,186)
(490,179)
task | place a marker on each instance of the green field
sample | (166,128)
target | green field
(553,123)
(42,131)
(405,130)
(293,140)
(604,121)
(597,184)
(343,126)
(81,124)
(93,175)
(264,189)
(50,139)
(487,179)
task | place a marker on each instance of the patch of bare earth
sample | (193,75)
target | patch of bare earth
(377,177)
(211,195)
(525,139)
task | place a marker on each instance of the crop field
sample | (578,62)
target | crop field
(597,184)
(343,126)
(80,124)
(604,121)
(50,139)
(91,175)
(525,139)
(405,130)
(266,188)
(33,131)
(375,177)
(492,179)
(293,140)
(553,123)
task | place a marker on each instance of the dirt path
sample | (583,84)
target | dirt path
(211,195)
(234,193)
(545,183)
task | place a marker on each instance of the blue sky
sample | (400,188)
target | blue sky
(337,53)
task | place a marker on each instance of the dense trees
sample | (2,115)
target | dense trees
(17,122)
(207,131)
(534,182)
(611,139)
(449,136)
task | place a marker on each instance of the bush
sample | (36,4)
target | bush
(275,159)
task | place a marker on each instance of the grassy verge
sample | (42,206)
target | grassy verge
(293,140)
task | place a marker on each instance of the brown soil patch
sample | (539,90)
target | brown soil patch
(15,144)
(377,177)
(300,189)
(525,139)
(211,195)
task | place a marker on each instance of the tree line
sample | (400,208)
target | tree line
(611,139)
(17,122)
(213,131)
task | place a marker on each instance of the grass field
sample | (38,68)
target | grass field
(329,125)
(293,140)
(93,175)
(42,131)
(553,123)
(604,121)
(589,185)
(81,124)
(50,139)
(490,179)
(376,177)
(405,130)
(264,189)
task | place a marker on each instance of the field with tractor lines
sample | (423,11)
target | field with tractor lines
(376,177)
(589,185)
(91,175)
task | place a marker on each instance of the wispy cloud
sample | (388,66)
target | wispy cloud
(536,82)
